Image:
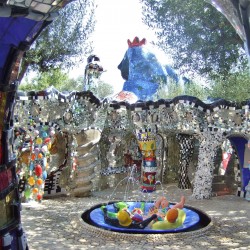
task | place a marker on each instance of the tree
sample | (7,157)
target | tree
(235,88)
(54,77)
(199,38)
(195,89)
(170,91)
(191,88)
(64,43)
(102,89)
(62,82)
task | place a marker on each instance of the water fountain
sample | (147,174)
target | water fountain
(145,216)
(154,215)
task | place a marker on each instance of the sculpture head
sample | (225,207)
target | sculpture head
(124,64)
(142,70)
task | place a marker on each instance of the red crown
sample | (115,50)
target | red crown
(136,42)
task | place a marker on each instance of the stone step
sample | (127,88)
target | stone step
(89,136)
(218,178)
(85,162)
(88,167)
(90,154)
(84,173)
(83,191)
(82,150)
(83,181)
(221,193)
(219,186)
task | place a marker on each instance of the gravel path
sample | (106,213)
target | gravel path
(56,224)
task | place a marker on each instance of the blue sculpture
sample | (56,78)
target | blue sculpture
(248,192)
(143,71)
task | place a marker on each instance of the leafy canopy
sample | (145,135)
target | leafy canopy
(64,43)
(235,88)
(195,34)
(192,89)
(54,77)
(62,82)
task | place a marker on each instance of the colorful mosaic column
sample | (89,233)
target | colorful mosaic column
(11,233)
(147,145)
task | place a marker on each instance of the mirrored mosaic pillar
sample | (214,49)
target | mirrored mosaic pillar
(186,152)
(209,141)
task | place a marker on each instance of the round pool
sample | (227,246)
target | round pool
(195,219)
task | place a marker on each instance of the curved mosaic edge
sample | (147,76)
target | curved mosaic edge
(194,101)
(52,92)
(77,222)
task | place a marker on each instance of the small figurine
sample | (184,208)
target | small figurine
(124,220)
(161,206)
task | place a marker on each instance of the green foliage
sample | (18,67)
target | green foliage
(62,82)
(54,77)
(64,43)
(235,87)
(195,89)
(102,89)
(198,37)
(173,90)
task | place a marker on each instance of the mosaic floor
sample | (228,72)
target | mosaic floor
(56,224)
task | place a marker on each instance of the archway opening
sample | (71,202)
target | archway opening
(226,166)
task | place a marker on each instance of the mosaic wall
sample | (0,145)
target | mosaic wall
(114,146)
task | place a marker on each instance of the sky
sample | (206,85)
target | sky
(116,22)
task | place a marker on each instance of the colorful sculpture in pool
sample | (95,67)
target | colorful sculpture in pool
(160,216)
(143,72)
